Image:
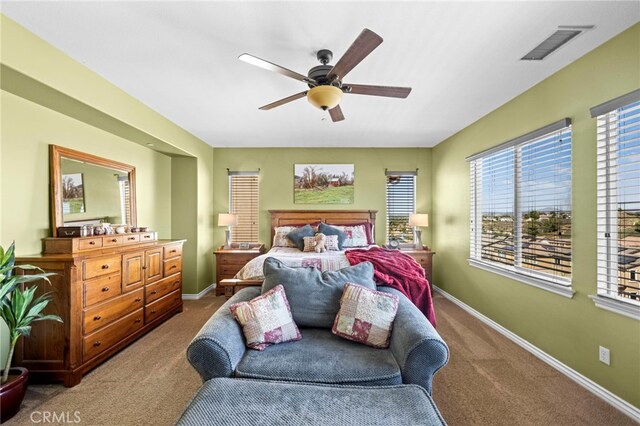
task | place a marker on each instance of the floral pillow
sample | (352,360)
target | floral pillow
(266,320)
(280,236)
(354,235)
(366,316)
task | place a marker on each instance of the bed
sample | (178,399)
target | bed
(392,268)
(291,256)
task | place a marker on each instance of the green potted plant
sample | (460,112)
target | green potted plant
(18,309)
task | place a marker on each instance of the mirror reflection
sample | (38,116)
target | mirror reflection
(92,194)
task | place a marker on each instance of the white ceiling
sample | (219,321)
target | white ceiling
(180,58)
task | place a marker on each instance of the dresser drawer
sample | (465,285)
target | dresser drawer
(102,288)
(173,250)
(229,270)
(130,238)
(90,243)
(108,312)
(235,259)
(100,266)
(163,287)
(161,306)
(102,340)
(147,236)
(112,240)
(172,266)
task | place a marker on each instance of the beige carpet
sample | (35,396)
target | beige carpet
(488,381)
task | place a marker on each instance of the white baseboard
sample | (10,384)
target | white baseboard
(190,296)
(619,403)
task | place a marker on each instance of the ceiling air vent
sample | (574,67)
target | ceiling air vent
(555,41)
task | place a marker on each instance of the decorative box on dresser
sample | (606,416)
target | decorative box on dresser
(230,260)
(109,290)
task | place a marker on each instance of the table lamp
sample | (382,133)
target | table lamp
(418,220)
(228,220)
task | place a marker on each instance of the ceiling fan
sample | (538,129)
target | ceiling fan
(325,81)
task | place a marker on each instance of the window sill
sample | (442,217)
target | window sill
(559,289)
(617,306)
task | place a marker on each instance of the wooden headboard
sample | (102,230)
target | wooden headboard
(338,217)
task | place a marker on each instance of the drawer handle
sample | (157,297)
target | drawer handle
(105,266)
(97,343)
(173,251)
(105,289)
(173,267)
(147,236)
(138,299)
(131,238)
(97,318)
(176,283)
(114,240)
(138,320)
(153,312)
(154,292)
(93,243)
(144,267)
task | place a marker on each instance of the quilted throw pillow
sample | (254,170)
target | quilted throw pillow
(266,320)
(366,316)
(280,236)
(354,235)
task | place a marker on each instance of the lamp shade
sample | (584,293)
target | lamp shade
(419,219)
(324,97)
(227,219)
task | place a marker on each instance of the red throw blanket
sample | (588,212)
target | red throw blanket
(400,271)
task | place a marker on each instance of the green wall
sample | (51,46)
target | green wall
(276,179)
(568,329)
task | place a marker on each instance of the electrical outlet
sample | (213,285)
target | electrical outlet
(604,355)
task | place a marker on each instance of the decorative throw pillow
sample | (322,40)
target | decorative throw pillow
(354,235)
(297,236)
(309,244)
(280,236)
(330,243)
(366,316)
(330,230)
(368,229)
(314,296)
(266,320)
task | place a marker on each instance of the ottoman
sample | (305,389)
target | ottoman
(224,401)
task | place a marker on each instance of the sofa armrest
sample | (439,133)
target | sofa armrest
(416,345)
(219,345)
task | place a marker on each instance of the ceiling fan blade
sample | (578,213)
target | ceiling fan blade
(283,101)
(388,91)
(336,113)
(360,49)
(254,60)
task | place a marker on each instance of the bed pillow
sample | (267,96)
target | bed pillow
(368,228)
(280,236)
(297,236)
(325,229)
(366,316)
(314,296)
(354,235)
(266,320)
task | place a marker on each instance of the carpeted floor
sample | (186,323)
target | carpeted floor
(489,381)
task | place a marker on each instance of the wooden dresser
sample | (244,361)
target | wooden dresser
(109,291)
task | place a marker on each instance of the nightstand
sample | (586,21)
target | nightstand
(230,261)
(424,258)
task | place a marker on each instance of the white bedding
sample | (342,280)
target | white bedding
(327,261)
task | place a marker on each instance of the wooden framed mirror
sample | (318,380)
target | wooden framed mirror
(88,190)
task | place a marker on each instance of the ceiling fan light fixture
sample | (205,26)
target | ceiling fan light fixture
(324,97)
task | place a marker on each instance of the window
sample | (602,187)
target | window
(125,198)
(243,201)
(618,164)
(520,195)
(401,202)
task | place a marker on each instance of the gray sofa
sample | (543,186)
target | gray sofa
(415,354)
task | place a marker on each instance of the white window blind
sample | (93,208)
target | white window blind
(520,195)
(401,201)
(618,165)
(125,198)
(243,201)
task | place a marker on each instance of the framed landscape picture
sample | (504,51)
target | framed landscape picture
(323,184)
(72,193)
